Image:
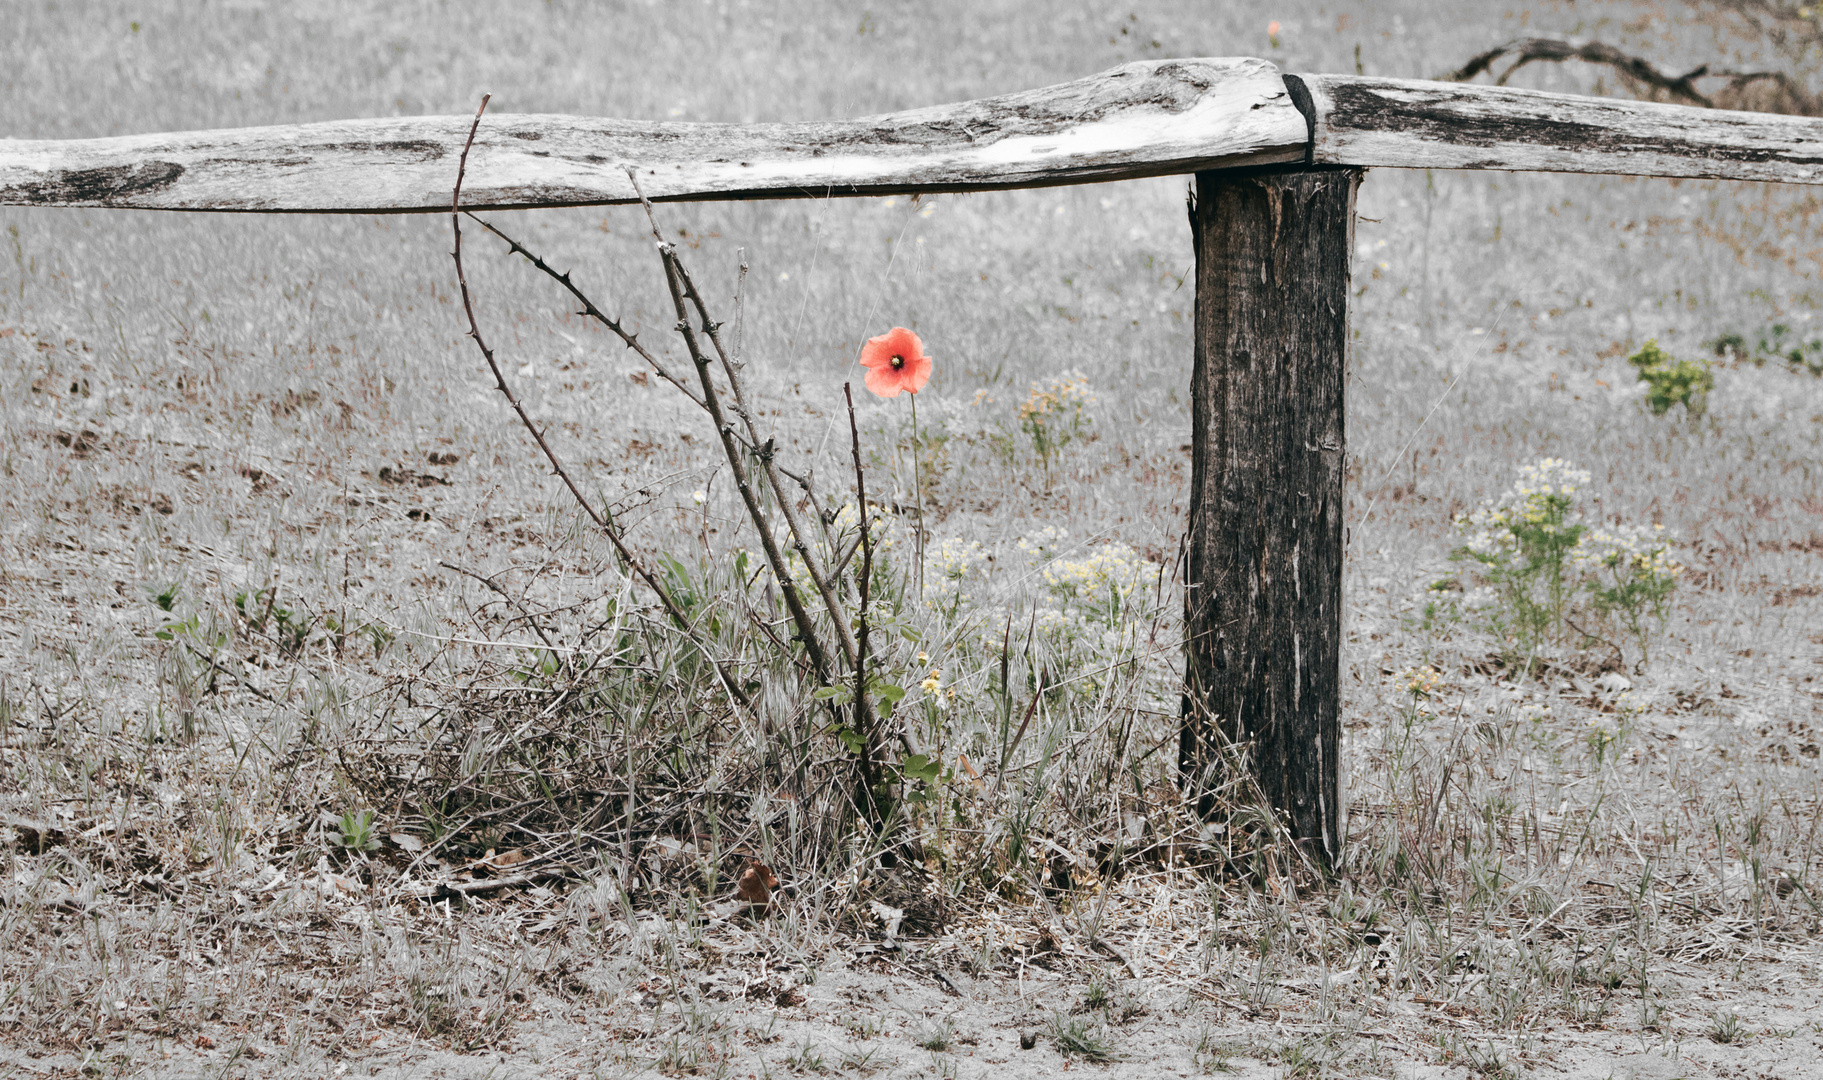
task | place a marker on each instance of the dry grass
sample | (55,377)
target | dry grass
(195,410)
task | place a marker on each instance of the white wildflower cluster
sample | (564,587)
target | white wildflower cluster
(952,566)
(1095,600)
(1542,499)
(1107,573)
(1542,567)
(847,520)
(1627,549)
(1043,544)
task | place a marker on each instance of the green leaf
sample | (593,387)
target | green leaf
(889,693)
(851,739)
(920,767)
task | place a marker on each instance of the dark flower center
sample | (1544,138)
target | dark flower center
(898,362)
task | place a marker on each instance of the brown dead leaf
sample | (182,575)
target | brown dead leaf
(974,778)
(493,861)
(756,884)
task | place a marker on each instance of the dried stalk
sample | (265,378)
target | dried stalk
(631,340)
(685,295)
(866,580)
(818,575)
(743,483)
(606,526)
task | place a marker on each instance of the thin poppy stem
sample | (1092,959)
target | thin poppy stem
(918,495)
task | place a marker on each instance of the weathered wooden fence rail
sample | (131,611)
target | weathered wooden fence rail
(1278,159)
(1144,119)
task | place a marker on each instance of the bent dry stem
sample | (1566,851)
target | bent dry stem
(607,528)
(737,451)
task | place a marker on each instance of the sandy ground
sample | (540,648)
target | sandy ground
(853,1011)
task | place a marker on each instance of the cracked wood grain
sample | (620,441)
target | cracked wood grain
(1263,611)
(1141,119)
(1414,124)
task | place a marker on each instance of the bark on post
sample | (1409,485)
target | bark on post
(1264,609)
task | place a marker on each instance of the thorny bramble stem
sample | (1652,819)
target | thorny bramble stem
(684,296)
(588,308)
(603,523)
(865,583)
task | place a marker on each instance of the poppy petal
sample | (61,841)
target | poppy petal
(883,381)
(912,372)
(916,373)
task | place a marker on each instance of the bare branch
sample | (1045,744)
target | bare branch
(743,482)
(631,340)
(819,576)
(1632,68)
(1754,91)
(474,331)
(868,768)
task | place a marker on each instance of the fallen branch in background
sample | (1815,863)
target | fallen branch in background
(1754,91)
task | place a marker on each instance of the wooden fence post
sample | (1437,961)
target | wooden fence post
(1263,614)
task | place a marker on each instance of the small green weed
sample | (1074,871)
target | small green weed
(806,1057)
(1213,1055)
(1776,342)
(1097,995)
(1076,1036)
(863,1059)
(357,831)
(1726,1027)
(287,628)
(1670,381)
(1303,1058)
(937,1036)
(1055,414)
(1484,1059)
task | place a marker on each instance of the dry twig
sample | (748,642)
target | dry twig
(607,527)
(1787,95)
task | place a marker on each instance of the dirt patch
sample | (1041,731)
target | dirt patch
(917,1011)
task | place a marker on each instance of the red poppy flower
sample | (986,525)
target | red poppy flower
(895,362)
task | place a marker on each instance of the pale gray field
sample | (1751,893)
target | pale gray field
(258,712)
